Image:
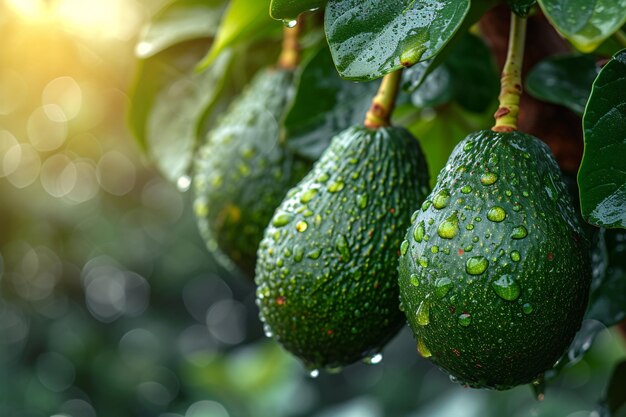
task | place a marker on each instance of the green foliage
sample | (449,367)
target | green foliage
(400,33)
(601,179)
(565,80)
(496,262)
(585,24)
(326,276)
(521,7)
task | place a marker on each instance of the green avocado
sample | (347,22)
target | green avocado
(327,266)
(495,270)
(243,171)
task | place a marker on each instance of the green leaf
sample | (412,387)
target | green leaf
(179,22)
(370,38)
(607,301)
(602,177)
(323,106)
(585,23)
(244,21)
(290,9)
(437,89)
(565,80)
(521,7)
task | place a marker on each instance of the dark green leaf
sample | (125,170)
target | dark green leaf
(602,177)
(607,302)
(370,38)
(324,105)
(290,9)
(179,22)
(437,89)
(521,7)
(565,80)
(244,21)
(586,24)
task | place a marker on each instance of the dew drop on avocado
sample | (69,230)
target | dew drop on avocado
(496,214)
(476,265)
(468,146)
(336,186)
(527,308)
(404,247)
(441,200)
(362,201)
(489,178)
(301,226)
(465,319)
(341,244)
(422,349)
(282,219)
(506,287)
(434,249)
(418,232)
(519,232)
(515,256)
(414,280)
(298,253)
(442,287)
(308,195)
(449,228)
(423,313)
(314,254)
(467,189)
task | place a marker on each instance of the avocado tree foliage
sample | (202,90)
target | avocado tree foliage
(247,96)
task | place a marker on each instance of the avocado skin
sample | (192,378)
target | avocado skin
(504,344)
(328,292)
(243,171)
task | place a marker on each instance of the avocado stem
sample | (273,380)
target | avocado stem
(290,53)
(620,37)
(379,114)
(511,81)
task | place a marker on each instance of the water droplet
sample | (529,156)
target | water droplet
(488,178)
(414,280)
(314,373)
(434,249)
(519,232)
(449,228)
(184,183)
(308,195)
(362,201)
(298,253)
(441,200)
(422,349)
(527,308)
(290,23)
(466,190)
(282,219)
(506,287)
(426,204)
(468,146)
(341,244)
(423,262)
(418,232)
(301,226)
(404,247)
(496,214)
(314,254)
(423,313)
(374,360)
(476,265)
(442,287)
(515,256)
(336,186)
(414,216)
(465,319)
(323,177)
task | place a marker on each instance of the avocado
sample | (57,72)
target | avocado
(495,270)
(327,265)
(243,170)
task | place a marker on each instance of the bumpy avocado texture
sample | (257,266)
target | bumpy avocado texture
(327,266)
(495,269)
(243,171)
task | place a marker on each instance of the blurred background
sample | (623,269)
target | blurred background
(109,303)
